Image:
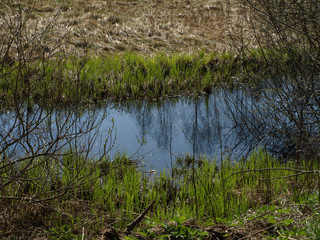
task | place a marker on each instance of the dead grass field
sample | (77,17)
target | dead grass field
(143,26)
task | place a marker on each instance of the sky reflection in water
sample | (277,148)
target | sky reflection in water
(175,127)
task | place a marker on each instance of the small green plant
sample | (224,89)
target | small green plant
(312,228)
(62,233)
(180,232)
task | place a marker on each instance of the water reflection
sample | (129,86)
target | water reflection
(224,124)
(282,116)
(28,132)
(175,127)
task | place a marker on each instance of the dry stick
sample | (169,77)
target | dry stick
(135,222)
(300,172)
(82,233)
(195,126)
(257,232)
(221,159)
(266,213)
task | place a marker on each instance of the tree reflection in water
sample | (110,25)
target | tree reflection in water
(232,122)
(175,127)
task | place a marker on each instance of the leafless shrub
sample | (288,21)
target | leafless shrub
(44,152)
(284,111)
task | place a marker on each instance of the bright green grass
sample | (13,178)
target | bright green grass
(126,76)
(95,195)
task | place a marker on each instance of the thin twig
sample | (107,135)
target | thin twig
(268,169)
(82,233)
(259,231)
(279,21)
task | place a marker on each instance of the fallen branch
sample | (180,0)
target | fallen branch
(135,222)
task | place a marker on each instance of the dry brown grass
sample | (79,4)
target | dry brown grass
(145,26)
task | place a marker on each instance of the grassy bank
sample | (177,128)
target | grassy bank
(199,199)
(50,57)
(121,77)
